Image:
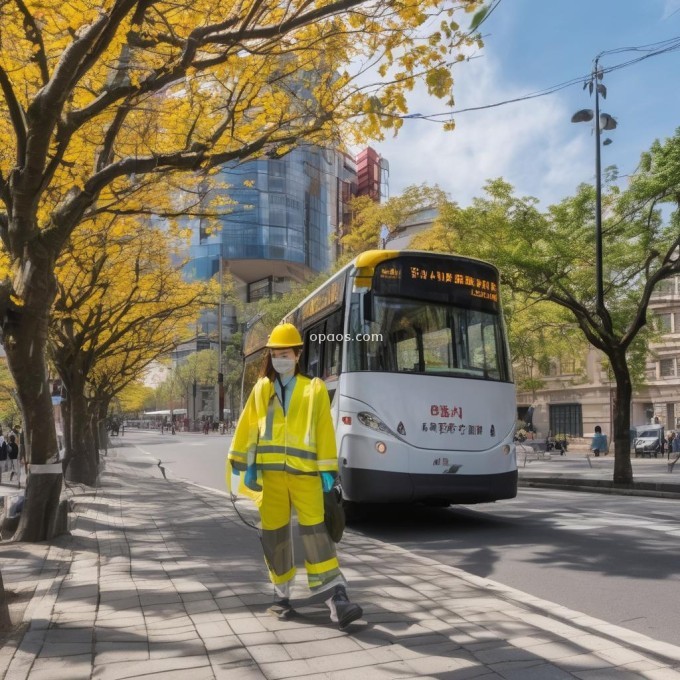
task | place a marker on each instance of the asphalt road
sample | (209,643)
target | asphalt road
(612,557)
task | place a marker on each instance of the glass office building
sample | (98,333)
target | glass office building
(285,214)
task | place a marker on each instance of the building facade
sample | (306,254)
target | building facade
(282,225)
(373,172)
(578,395)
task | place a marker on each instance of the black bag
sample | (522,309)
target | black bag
(334,513)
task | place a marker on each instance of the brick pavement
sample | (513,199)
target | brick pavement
(159,579)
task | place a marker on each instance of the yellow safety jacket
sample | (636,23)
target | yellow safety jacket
(299,442)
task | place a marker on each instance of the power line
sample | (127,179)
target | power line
(652,49)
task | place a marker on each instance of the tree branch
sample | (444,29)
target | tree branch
(47,106)
(16,114)
(35,36)
(671,265)
(69,214)
(106,153)
(302,19)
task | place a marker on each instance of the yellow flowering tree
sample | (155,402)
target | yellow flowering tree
(121,303)
(100,98)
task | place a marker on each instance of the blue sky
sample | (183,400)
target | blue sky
(531,45)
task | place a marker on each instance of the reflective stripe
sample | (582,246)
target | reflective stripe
(330,462)
(277,579)
(287,450)
(252,454)
(319,549)
(269,426)
(289,462)
(321,582)
(293,471)
(278,549)
(309,439)
(322,567)
(280,467)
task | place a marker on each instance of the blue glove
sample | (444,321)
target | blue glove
(327,481)
(250,480)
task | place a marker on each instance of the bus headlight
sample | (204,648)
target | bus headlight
(506,449)
(372,421)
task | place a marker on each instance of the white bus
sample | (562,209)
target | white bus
(413,351)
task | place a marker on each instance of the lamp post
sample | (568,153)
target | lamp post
(220,373)
(603,121)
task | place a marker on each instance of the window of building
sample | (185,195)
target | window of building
(568,366)
(676,327)
(549,370)
(667,368)
(666,322)
(664,288)
(566,419)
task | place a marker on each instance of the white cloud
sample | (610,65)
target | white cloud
(531,144)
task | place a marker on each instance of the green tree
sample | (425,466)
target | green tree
(548,257)
(232,367)
(370,218)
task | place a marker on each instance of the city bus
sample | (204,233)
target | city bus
(413,350)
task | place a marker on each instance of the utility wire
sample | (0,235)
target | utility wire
(652,50)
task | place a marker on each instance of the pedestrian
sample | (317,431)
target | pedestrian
(599,442)
(676,444)
(13,455)
(4,457)
(284,446)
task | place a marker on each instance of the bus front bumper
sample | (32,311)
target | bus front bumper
(378,486)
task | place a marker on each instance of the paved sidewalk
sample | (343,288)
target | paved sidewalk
(579,470)
(161,580)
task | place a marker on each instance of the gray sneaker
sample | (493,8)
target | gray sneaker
(281,609)
(343,612)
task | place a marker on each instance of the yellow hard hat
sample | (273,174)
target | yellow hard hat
(284,335)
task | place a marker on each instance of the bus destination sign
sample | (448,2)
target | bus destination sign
(447,280)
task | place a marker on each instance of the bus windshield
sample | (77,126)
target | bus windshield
(417,336)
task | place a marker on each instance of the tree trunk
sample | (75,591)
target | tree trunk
(623,470)
(68,440)
(82,464)
(25,340)
(5,621)
(101,411)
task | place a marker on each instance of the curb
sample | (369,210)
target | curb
(652,489)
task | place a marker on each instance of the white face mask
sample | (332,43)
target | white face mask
(283,366)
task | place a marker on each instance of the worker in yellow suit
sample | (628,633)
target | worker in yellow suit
(284,447)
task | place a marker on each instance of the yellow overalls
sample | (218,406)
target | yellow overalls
(290,451)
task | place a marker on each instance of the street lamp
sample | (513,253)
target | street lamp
(220,373)
(603,121)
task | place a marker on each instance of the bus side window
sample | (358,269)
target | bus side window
(333,348)
(314,354)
